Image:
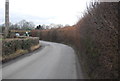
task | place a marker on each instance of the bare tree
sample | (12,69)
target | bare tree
(25,25)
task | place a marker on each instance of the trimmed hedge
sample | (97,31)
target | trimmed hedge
(11,46)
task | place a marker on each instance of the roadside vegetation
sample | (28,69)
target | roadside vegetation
(17,42)
(94,37)
(12,48)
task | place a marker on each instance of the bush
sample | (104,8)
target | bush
(10,46)
(98,31)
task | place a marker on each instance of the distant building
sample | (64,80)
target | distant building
(21,32)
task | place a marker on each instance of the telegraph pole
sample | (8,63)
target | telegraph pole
(6,18)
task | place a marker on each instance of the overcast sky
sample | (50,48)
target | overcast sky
(44,11)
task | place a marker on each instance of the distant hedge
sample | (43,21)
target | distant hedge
(11,47)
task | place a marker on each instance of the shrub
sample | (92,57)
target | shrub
(11,46)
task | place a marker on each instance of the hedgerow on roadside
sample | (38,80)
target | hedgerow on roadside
(12,48)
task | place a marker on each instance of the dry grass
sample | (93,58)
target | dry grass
(35,47)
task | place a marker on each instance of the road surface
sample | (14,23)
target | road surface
(52,61)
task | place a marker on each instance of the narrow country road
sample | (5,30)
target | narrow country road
(52,61)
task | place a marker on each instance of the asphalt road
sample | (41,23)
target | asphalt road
(52,61)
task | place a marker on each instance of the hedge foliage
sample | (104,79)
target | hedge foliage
(10,46)
(98,31)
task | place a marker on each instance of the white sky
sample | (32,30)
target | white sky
(44,11)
